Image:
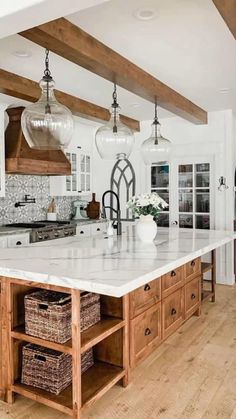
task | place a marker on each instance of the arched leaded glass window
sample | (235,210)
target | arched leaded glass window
(123,183)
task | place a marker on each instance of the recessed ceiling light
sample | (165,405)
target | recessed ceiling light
(224,90)
(145,14)
(22,54)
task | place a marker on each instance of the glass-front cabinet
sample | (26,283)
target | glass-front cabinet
(160,181)
(80,179)
(187,189)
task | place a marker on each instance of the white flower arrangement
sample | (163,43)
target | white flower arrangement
(147,204)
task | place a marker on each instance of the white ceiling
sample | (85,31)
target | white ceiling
(16,16)
(187,45)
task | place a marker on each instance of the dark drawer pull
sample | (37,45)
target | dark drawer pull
(193,296)
(147,287)
(147,332)
(18,243)
(173,273)
(193,263)
(98,229)
(173,312)
(81,232)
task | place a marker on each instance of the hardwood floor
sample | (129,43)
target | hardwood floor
(191,376)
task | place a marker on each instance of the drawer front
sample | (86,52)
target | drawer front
(172,312)
(3,242)
(192,296)
(18,240)
(172,281)
(145,297)
(83,231)
(145,333)
(98,228)
(192,269)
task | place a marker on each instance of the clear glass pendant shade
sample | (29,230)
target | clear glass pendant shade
(46,124)
(114,140)
(156,149)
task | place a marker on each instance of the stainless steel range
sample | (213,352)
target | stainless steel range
(47,230)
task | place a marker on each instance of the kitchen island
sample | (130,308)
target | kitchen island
(147,292)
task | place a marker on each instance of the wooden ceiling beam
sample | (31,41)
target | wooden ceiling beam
(72,43)
(22,88)
(227,9)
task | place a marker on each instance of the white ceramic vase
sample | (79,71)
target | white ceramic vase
(146,228)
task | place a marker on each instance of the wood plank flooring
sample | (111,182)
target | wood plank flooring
(191,376)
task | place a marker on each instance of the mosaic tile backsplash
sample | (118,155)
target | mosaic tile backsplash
(37,187)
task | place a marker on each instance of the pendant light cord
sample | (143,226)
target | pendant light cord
(156,123)
(47,78)
(115,106)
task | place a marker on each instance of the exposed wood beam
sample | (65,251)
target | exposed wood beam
(74,44)
(23,88)
(227,9)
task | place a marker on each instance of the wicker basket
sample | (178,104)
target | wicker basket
(48,315)
(90,312)
(46,369)
(50,370)
(87,360)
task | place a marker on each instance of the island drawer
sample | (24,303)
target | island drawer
(172,312)
(145,333)
(192,296)
(144,297)
(172,281)
(192,269)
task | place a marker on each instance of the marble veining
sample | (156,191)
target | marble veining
(112,266)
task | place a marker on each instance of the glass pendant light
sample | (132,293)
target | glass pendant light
(114,140)
(156,149)
(46,124)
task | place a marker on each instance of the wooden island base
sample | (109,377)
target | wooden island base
(131,327)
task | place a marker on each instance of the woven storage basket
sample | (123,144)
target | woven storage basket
(90,312)
(46,369)
(87,360)
(48,315)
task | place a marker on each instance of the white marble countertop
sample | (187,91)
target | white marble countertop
(111,266)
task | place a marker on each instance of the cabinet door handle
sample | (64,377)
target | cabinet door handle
(193,263)
(81,232)
(193,296)
(147,332)
(98,229)
(173,273)
(147,287)
(173,312)
(18,243)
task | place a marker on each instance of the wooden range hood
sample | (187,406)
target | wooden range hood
(21,159)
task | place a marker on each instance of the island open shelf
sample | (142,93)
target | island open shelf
(108,339)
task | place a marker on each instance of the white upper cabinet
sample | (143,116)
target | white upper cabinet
(80,156)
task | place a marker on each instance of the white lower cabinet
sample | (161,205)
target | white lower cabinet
(93,229)
(18,240)
(3,242)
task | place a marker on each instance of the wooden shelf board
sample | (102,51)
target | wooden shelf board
(62,402)
(205,267)
(100,331)
(19,333)
(89,337)
(97,380)
(206,295)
